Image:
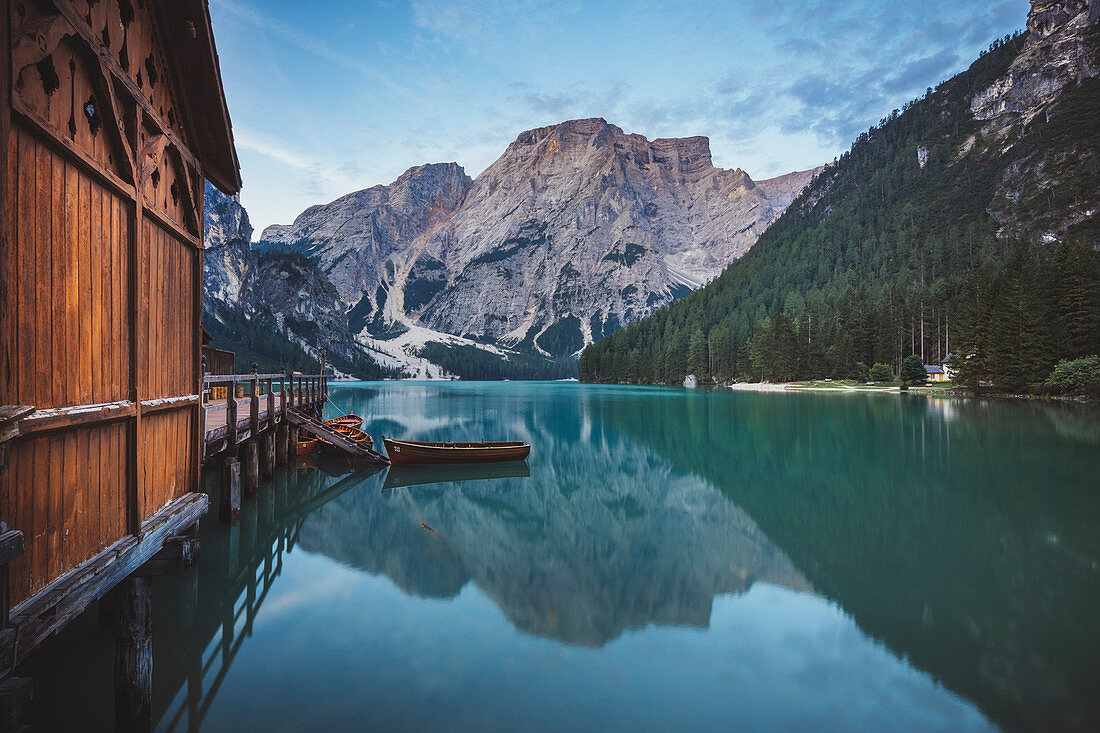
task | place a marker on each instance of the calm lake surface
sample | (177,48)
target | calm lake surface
(667,560)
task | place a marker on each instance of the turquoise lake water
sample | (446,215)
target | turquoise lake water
(666,560)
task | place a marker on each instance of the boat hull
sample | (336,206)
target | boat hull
(306,447)
(408,452)
(347,421)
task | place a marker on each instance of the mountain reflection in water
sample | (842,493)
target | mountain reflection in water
(575,554)
(784,560)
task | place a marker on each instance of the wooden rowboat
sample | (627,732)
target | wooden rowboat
(347,421)
(355,435)
(415,451)
(305,447)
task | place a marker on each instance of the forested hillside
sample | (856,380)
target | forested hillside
(938,232)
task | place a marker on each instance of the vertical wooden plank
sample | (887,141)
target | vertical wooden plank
(138,345)
(109,340)
(83,244)
(9,274)
(43,279)
(73,316)
(38,482)
(120,283)
(95,213)
(61,275)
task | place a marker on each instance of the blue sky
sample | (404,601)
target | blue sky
(330,97)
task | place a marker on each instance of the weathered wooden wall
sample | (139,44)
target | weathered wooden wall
(100,279)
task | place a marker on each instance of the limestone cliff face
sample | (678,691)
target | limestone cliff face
(1058,62)
(366,241)
(282,294)
(229,263)
(1056,55)
(577,229)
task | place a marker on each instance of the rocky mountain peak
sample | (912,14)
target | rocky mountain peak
(1046,16)
(576,229)
(1058,53)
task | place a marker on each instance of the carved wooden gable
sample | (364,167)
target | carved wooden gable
(94,85)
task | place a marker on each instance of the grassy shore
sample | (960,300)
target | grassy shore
(841,385)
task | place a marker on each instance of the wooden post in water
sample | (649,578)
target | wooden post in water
(251,468)
(267,453)
(270,404)
(231,483)
(133,605)
(281,431)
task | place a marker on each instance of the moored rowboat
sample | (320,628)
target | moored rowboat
(305,447)
(355,435)
(347,421)
(415,451)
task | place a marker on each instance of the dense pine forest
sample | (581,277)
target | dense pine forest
(470,362)
(903,246)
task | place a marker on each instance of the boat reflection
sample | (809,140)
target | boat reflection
(401,476)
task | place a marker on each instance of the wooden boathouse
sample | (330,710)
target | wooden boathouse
(112,114)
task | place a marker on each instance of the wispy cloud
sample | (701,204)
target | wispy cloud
(306,42)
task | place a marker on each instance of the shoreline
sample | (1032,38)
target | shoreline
(948,391)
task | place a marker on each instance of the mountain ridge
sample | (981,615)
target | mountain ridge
(469,257)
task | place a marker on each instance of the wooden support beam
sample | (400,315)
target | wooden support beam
(11,547)
(10,417)
(151,407)
(133,604)
(292,443)
(178,554)
(61,418)
(168,223)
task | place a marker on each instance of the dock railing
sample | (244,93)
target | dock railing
(250,413)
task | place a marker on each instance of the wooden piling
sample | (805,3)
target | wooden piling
(267,453)
(133,604)
(292,443)
(231,490)
(281,438)
(250,471)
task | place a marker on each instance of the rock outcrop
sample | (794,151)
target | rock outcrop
(577,229)
(1060,59)
(283,295)
(1058,52)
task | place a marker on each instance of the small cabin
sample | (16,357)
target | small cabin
(113,116)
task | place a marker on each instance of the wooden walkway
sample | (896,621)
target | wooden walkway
(229,422)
